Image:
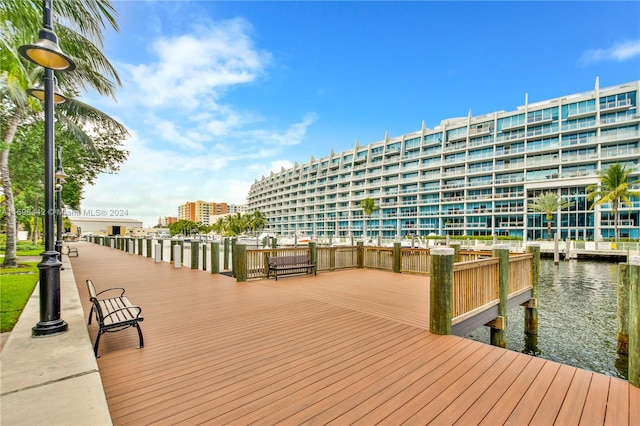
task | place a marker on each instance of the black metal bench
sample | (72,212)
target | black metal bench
(113,313)
(289,263)
(72,250)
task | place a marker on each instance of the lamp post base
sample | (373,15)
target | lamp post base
(43,329)
(50,321)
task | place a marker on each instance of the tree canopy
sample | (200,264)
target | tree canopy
(615,187)
(79,25)
(549,203)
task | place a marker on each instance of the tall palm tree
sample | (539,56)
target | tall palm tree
(368,206)
(549,203)
(80,36)
(615,187)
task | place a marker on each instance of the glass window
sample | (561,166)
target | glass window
(434,138)
(513,121)
(412,143)
(459,133)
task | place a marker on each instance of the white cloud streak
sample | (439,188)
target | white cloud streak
(617,53)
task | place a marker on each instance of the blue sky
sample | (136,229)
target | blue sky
(217,94)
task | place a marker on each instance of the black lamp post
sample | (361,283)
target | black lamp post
(45,52)
(60,177)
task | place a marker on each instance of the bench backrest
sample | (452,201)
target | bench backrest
(288,260)
(93,297)
(92,290)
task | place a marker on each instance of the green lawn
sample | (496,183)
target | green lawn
(16,286)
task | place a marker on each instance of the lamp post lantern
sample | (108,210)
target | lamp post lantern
(45,52)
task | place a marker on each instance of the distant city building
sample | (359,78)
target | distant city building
(102,225)
(237,208)
(201,211)
(167,220)
(469,176)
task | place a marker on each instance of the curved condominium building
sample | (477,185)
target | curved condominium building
(469,176)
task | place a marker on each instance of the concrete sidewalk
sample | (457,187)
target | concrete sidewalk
(52,380)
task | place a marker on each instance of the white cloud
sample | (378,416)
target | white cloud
(292,136)
(191,69)
(187,142)
(617,53)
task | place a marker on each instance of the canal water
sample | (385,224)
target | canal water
(577,318)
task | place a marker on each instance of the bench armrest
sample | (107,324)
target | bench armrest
(111,289)
(126,309)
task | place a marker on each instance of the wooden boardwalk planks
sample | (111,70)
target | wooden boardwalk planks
(345,347)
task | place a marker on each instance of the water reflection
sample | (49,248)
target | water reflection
(577,318)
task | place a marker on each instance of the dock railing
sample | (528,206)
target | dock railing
(468,294)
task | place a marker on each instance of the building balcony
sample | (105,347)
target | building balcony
(616,105)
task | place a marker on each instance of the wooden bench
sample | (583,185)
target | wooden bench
(113,313)
(289,263)
(72,250)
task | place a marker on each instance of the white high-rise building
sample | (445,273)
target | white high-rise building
(470,176)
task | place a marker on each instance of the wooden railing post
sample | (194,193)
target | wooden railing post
(172,244)
(499,325)
(226,252)
(274,242)
(139,246)
(360,254)
(531,308)
(195,254)
(148,243)
(234,259)
(204,257)
(441,291)
(397,257)
(455,245)
(634,320)
(313,252)
(624,272)
(215,258)
(240,261)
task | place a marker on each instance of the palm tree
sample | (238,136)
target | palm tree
(235,224)
(368,206)
(256,220)
(80,35)
(615,187)
(219,226)
(549,203)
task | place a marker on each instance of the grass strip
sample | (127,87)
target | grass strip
(16,286)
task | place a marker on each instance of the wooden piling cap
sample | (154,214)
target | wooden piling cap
(442,251)
(501,247)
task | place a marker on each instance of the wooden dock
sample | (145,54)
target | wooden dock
(345,347)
